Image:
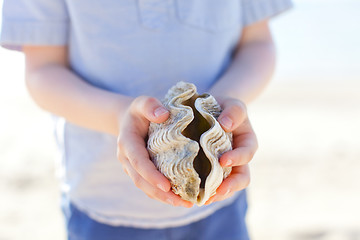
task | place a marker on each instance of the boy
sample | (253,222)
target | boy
(101,68)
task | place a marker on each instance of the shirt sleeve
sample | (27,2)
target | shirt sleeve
(257,10)
(34,22)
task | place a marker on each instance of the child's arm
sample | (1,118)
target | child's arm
(57,89)
(247,76)
(252,66)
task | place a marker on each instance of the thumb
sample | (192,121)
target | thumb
(233,115)
(150,108)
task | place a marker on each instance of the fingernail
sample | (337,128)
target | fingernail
(170,201)
(226,122)
(160,111)
(228,163)
(161,187)
(227,192)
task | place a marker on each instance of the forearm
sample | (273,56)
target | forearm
(250,71)
(58,90)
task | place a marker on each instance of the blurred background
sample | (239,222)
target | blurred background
(306,174)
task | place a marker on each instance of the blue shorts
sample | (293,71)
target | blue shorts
(227,223)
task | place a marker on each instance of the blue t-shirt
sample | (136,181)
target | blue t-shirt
(133,48)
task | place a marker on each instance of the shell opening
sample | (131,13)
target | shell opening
(194,130)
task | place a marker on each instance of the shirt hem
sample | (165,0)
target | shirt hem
(155,223)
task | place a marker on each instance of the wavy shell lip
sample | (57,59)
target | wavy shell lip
(186,148)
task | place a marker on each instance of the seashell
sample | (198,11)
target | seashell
(186,148)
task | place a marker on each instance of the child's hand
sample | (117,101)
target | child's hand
(132,151)
(234,119)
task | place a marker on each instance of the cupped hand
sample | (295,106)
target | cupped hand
(132,151)
(234,119)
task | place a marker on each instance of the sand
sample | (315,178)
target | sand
(29,202)
(306,172)
(305,182)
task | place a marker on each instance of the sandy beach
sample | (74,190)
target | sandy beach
(305,176)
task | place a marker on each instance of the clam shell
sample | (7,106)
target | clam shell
(186,148)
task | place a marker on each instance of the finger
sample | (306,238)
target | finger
(150,108)
(134,149)
(238,180)
(245,147)
(217,198)
(233,115)
(153,192)
(122,158)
